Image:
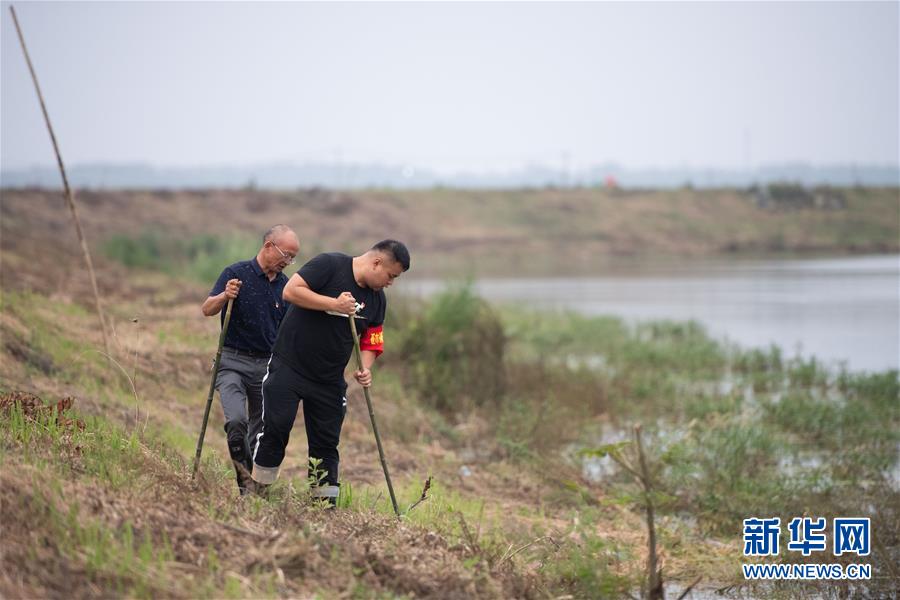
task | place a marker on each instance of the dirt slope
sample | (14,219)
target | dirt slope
(487,232)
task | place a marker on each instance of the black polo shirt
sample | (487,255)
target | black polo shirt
(258,309)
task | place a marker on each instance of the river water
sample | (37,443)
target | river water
(842,310)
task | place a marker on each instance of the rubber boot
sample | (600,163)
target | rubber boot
(239,450)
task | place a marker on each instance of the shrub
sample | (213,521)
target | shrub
(454,352)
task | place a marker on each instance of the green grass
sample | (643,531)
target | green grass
(587,569)
(200,257)
(99,449)
(114,463)
(131,565)
(728,423)
(731,432)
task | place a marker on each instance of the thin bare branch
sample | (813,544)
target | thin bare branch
(68,191)
(124,372)
(654,576)
(415,504)
(624,464)
(688,589)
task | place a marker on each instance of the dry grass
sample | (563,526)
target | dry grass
(207,542)
(61,506)
(494,232)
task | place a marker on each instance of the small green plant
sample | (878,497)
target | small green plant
(316,473)
(345,495)
(316,477)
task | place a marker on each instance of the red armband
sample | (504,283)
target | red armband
(373,340)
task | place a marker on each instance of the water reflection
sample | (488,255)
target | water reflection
(840,310)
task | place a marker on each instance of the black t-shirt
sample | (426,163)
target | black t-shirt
(316,344)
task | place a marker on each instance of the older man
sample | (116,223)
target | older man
(256,286)
(311,351)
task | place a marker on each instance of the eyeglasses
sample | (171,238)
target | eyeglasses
(289,258)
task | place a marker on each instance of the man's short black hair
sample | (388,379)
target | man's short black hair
(395,249)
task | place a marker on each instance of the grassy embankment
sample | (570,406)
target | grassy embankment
(485,232)
(110,508)
(496,407)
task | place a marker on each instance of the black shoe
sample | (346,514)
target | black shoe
(238,442)
(244,480)
(239,450)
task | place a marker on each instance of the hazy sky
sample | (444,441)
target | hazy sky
(455,85)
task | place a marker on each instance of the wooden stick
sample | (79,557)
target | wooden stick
(384,465)
(212,387)
(68,191)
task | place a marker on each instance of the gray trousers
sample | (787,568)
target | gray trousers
(239,382)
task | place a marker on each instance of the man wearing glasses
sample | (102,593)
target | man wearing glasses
(256,286)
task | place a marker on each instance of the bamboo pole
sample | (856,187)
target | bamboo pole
(68,192)
(384,466)
(212,387)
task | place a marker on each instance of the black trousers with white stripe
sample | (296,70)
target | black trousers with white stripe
(324,408)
